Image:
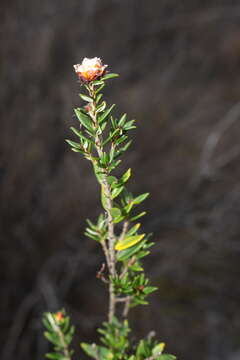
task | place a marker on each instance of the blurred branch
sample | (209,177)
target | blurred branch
(18,323)
(207,168)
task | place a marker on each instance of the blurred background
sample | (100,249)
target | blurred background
(179,63)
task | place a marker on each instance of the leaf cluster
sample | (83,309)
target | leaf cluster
(151,349)
(136,287)
(59,332)
(114,339)
(115,345)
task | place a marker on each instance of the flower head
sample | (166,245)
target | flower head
(90,69)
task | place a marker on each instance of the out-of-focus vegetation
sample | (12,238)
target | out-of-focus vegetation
(179,63)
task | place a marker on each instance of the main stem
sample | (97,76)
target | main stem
(107,192)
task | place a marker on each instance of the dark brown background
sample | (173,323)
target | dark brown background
(180,78)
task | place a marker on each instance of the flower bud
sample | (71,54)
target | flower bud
(90,69)
(59,316)
(87,107)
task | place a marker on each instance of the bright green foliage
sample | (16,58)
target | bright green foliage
(115,345)
(150,349)
(102,139)
(135,286)
(59,332)
(114,337)
(97,232)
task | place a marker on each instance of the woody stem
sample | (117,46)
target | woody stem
(111,257)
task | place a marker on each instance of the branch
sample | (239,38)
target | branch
(110,251)
(127,306)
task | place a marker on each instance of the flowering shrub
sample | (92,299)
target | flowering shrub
(102,139)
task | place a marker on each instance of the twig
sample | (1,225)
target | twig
(123,299)
(126,307)
(105,250)
(20,319)
(124,230)
(100,274)
(125,269)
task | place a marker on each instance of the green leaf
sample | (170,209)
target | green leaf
(138,301)
(85,139)
(167,357)
(98,82)
(109,76)
(99,98)
(69,335)
(149,289)
(117,191)
(98,172)
(105,114)
(113,164)
(123,149)
(81,136)
(142,350)
(78,150)
(111,180)
(127,253)
(140,198)
(122,120)
(111,136)
(119,219)
(128,241)
(93,237)
(90,349)
(121,139)
(86,98)
(66,323)
(84,119)
(136,267)
(101,107)
(90,231)
(46,324)
(52,337)
(133,229)
(105,354)
(55,356)
(73,144)
(158,349)
(126,176)
(129,125)
(77,132)
(115,212)
(138,216)
(104,159)
(101,83)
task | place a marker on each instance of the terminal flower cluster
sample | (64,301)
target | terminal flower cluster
(90,69)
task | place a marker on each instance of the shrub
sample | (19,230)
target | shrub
(102,139)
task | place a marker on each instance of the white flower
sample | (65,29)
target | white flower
(90,69)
